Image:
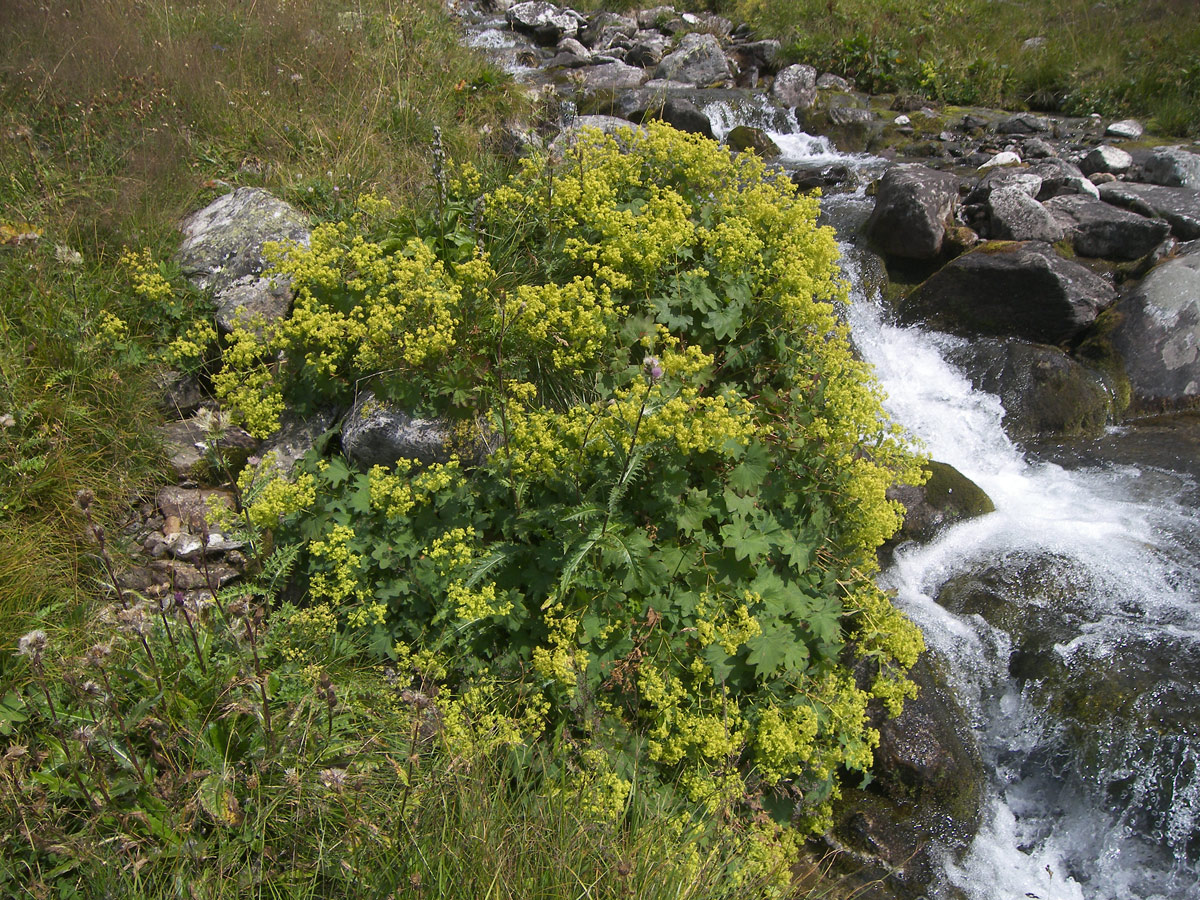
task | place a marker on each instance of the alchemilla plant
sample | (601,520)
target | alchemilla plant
(659,523)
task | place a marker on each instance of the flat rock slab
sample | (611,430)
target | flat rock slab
(1011,289)
(1178,205)
(223,242)
(1159,335)
(1099,229)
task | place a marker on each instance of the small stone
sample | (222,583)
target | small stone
(172,525)
(902,120)
(1005,158)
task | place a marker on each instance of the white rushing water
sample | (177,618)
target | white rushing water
(1115,820)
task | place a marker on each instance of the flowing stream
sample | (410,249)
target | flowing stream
(1070,616)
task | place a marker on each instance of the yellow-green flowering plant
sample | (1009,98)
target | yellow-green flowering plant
(671,544)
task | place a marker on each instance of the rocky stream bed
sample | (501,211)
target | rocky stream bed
(1028,288)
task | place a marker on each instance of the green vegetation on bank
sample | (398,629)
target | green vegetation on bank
(624,642)
(116,118)
(1077,57)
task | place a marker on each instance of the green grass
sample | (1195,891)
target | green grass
(1135,57)
(120,116)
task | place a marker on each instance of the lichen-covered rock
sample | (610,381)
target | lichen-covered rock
(699,61)
(378,433)
(546,23)
(1013,215)
(913,207)
(795,86)
(1011,289)
(1029,182)
(190,447)
(1061,177)
(1107,159)
(1159,335)
(1099,229)
(1179,206)
(1172,167)
(223,242)
(253,299)
(295,437)
(1045,393)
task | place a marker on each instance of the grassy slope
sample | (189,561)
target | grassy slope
(119,116)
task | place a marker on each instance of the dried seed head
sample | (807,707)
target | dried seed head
(96,655)
(32,645)
(334,779)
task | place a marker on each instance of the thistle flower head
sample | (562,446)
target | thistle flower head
(32,645)
(652,366)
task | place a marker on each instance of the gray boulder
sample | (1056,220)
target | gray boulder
(759,56)
(253,299)
(1179,206)
(610,78)
(1096,228)
(1061,177)
(830,82)
(605,27)
(1126,128)
(1045,393)
(1172,167)
(295,437)
(377,433)
(1022,123)
(1158,335)
(546,23)
(192,447)
(1013,215)
(1112,160)
(699,61)
(1028,182)
(647,49)
(795,86)
(1011,289)
(224,241)
(913,207)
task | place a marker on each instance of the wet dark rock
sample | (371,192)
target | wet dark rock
(1158,335)
(603,27)
(1179,206)
(647,49)
(926,800)
(1099,229)
(947,497)
(1045,393)
(224,241)
(913,207)
(743,138)
(1011,289)
(1022,123)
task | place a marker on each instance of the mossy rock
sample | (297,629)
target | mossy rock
(947,497)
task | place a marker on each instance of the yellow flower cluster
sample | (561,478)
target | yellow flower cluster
(472,604)
(269,495)
(145,276)
(561,659)
(341,582)
(306,630)
(453,551)
(193,345)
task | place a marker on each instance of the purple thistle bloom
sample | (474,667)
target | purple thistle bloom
(653,368)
